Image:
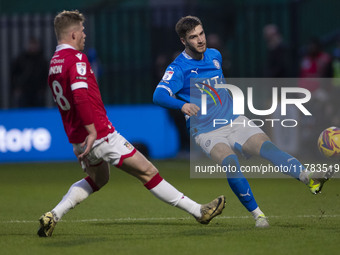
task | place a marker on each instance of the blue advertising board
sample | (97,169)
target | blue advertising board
(38,134)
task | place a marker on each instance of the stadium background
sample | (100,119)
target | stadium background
(135,40)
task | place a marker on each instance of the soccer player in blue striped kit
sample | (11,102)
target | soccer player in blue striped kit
(221,142)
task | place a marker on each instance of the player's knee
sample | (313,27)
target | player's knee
(150,171)
(101,182)
(100,179)
(147,172)
(101,174)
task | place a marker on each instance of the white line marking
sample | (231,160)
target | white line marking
(171,219)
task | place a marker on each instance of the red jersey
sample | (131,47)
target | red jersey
(70,73)
(313,68)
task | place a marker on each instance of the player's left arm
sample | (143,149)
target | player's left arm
(83,107)
(89,141)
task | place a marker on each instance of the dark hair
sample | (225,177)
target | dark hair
(66,19)
(186,24)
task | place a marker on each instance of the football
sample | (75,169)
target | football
(329,142)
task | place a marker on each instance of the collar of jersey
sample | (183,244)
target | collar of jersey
(187,56)
(64,46)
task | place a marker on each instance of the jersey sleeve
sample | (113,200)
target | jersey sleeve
(172,79)
(79,71)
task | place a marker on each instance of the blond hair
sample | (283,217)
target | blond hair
(65,20)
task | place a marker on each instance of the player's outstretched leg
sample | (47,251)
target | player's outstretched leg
(47,224)
(164,191)
(282,159)
(147,173)
(314,180)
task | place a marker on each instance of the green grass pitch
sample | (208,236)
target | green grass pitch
(124,218)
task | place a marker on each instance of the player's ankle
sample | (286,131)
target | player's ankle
(304,176)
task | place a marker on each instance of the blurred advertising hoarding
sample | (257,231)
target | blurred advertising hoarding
(38,134)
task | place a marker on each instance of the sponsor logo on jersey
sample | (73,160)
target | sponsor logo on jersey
(55,69)
(81,68)
(81,78)
(79,55)
(168,75)
(217,64)
(57,61)
(195,71)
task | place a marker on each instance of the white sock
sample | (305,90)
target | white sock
(256,213)
(304,176)
(78,192)
(169,194)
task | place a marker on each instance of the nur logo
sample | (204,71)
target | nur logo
(239,100)
(204,96)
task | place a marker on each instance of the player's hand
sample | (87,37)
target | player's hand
(87,145)
(190,109)
(84,162)
(89,141)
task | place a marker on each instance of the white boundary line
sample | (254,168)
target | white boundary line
(171,219)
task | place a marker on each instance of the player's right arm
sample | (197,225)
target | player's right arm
(171,83)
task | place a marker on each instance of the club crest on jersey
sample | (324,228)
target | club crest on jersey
(168,75)
(81,68)
(217,64)
(128,145)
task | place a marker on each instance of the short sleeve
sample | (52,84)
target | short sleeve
(79,71)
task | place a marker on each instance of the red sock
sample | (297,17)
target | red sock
(92,183)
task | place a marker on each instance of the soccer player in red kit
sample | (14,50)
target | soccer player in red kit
(95,141)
